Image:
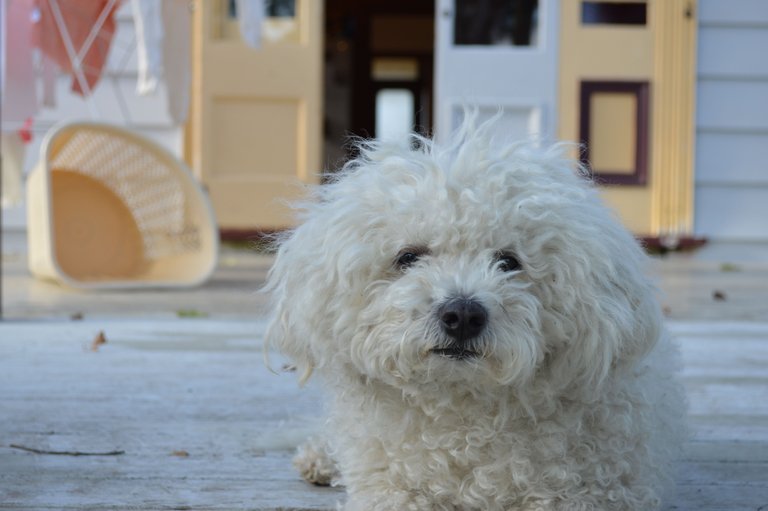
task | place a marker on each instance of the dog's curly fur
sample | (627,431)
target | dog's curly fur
(566,400)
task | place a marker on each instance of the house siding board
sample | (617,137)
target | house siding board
(732,11)
(722,55)
(139,111)
(731,159)
(731,179)
(738,105)
(732,212)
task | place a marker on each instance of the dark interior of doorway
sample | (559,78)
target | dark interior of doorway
(374,48)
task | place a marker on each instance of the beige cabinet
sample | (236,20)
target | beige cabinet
(256,116)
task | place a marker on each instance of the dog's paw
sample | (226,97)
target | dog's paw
(314,464)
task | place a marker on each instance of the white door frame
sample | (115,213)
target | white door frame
(512,78)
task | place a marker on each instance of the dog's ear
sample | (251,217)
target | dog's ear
(288,329)
(319,274)
(615,319)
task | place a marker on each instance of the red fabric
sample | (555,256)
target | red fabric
(79,17)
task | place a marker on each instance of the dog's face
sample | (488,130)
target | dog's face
(473,264)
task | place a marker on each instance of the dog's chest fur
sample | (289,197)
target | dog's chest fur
(457,445)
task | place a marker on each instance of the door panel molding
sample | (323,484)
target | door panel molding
(256,123)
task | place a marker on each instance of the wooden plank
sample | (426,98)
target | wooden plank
(719,498)
(159,388)
(153,389)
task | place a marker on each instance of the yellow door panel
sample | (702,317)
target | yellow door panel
(256,113)
(626,90)
(613,131)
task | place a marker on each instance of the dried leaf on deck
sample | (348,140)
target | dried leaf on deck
(98,341)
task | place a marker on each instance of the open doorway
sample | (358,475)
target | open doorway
(378,71)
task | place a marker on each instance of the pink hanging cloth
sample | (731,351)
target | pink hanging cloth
(17,88)
(79,17)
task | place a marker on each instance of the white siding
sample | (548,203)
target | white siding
(721,47)
(731,158)
(732,11)
(117,86)
(733,104)
(732,120)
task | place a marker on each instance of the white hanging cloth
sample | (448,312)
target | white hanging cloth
(250,16)
(163,38)
(148,22)
(163,46)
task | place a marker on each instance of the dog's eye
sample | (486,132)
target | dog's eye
(508,262)
(407,258)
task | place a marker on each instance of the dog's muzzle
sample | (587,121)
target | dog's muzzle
(462,320)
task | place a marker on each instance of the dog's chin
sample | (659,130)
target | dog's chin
(444,347)
(456,353)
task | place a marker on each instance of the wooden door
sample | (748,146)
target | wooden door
(256,122)
(627,77)
(493,54)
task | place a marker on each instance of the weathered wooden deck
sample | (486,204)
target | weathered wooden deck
(202,425)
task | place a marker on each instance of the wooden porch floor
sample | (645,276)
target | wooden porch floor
(185,416)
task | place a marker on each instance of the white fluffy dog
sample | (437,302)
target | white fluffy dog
(485,329)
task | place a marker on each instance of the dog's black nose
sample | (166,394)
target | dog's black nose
(462,318)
